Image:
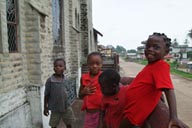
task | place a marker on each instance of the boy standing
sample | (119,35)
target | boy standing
(55,98)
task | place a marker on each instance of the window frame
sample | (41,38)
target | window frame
(14,24)
(59,40)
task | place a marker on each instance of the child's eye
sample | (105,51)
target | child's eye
(156,47)
(97,63)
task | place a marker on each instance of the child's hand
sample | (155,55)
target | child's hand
(46,112)
(88,90)
(176,123)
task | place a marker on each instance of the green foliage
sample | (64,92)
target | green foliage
(120,49)
(143,62)
(189,55)
(132,51)
(181,73)
(190,33)
(173,69)
(175,42)
(186,42)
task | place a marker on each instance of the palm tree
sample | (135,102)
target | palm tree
(186,42)
(175,43)
(190,34)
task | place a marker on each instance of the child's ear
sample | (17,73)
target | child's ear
(115,85)
(166,51)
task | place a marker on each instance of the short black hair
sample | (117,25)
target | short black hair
(109,76)
(59,59)
(93,54)
(165,38)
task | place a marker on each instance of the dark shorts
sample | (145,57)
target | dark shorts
(68,117)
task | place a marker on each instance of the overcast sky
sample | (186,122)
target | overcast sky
(128,22)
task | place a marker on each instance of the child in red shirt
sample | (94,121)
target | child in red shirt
(144,93)
(90,91)
(114,99)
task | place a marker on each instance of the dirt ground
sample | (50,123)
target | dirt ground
(183,90)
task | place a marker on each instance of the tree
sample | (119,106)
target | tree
(132,51)
(190,34)
(186,42)
(175,43)
(120,49)
(189,55)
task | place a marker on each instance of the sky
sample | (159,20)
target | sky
(129,22)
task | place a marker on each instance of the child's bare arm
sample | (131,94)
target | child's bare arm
(126,80)
(174,121)
(82,92)
(46,97)
(46,111)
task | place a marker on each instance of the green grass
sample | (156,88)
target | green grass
(173,69)
(143,62)
(181,73)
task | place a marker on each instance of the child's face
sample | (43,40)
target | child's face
(59,67)
(94,64)
(109,89)
(155,49)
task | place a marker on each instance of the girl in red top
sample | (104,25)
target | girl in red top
(144,93)
(90,91)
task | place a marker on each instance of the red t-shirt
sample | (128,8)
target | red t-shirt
(145,91)
(92,101)
(113,106)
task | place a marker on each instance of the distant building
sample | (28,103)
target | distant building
(132,56)
(176,53)
(95,35)
(180,52)
(140,52)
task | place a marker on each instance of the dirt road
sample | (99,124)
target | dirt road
(183,90)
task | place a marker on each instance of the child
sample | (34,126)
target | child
(55,98)
(114,99)
(144,93)
(90,91)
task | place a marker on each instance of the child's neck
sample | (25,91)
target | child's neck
(58,76)
(93,75)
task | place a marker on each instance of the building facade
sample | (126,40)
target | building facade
(32,34)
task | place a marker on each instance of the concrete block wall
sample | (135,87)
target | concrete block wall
(23,74)
(75,37)
(17,118)
(13,67)
(15,108)
(86,28)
